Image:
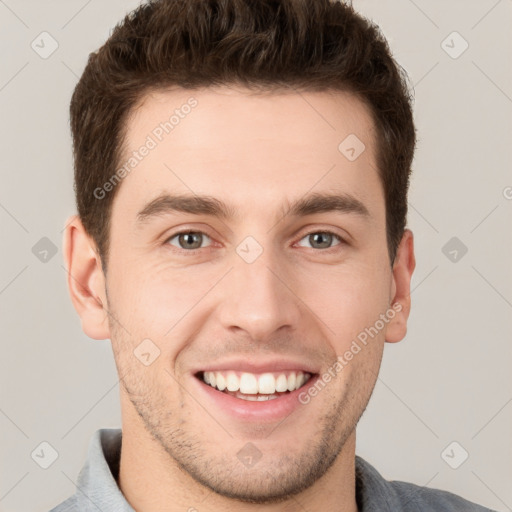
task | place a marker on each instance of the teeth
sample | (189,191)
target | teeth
(251,384)
(281,383)
(232,382)
(255,398)
(292,381)
(267,384)
(248,384)
(221,381)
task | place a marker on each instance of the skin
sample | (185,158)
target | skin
(257,152)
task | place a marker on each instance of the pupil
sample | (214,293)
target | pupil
(188,239)
(317,238)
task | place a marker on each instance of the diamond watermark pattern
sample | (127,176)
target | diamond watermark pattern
(44,45)
(44,455)
(454,45)
(146,352)
(249,249)
(249,455)
(454,250)
(351,147)
(44,250)
(454,455)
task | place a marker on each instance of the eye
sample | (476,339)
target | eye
(321,239)
(188,240)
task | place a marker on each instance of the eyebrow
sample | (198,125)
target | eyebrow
(208,205)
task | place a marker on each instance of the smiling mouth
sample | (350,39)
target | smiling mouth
(255,387)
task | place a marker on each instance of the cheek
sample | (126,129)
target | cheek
(346,299)
(151,300)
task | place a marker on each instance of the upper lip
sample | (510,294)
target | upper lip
(261,366)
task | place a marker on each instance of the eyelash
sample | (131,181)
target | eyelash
(193,251)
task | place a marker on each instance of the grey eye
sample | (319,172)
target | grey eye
(321,239)
(189,240)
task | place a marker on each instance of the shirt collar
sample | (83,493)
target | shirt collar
(97,487)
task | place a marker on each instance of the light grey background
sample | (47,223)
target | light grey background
(449,380)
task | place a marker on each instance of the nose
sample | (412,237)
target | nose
(259,298)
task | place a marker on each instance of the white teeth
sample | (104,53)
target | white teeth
(292,380)
(264,385)
(251,398)
(281,383)
(232,382)
(255,398)
(221,382)
(267,384)
(248,384)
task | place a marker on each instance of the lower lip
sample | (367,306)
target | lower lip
(268,410)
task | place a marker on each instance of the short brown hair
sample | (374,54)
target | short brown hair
(266,44)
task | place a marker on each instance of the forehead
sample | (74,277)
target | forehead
(252,149)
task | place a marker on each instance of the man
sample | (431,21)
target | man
(241,176)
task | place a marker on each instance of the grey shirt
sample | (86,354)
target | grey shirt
(97,487)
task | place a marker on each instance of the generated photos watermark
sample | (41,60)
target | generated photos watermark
(356,346)
(152,140)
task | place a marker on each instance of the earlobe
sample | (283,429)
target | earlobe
(85,279)
(403,269)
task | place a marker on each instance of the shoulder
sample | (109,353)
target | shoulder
(374,492)
(68,505)
(414,498)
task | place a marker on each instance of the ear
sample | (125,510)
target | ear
(85,279)
(403,268)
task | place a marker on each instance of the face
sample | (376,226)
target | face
(247,249)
